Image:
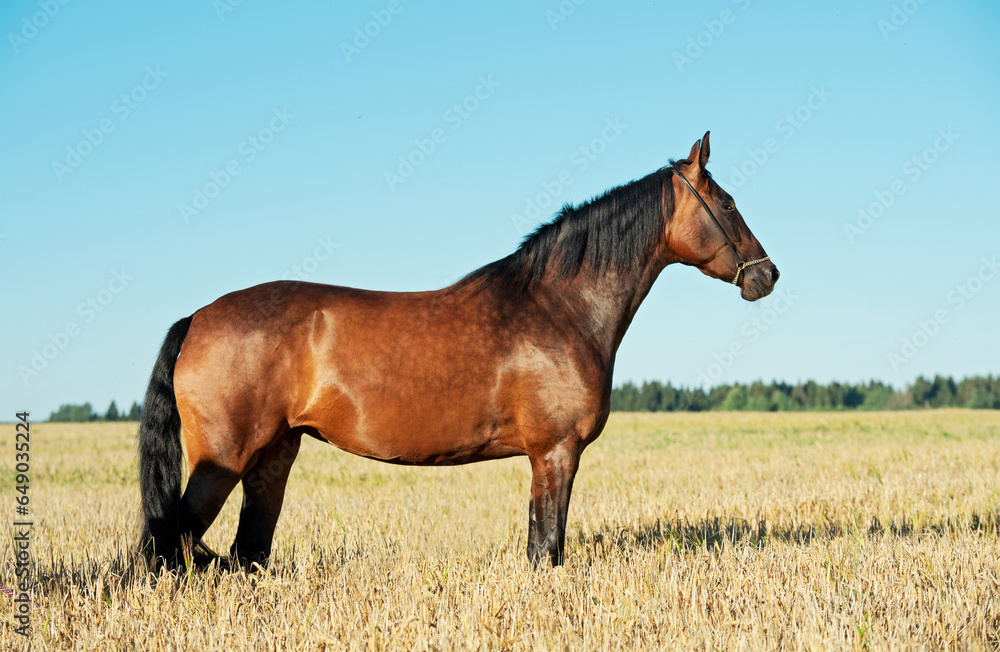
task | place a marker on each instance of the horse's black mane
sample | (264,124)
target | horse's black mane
(613,231)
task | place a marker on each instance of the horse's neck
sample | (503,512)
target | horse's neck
(605,304)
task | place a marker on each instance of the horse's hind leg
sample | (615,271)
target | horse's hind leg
(263,493)
(217,465)
(207,490)
(551,485)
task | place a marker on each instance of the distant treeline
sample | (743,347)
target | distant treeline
(976,392)
(85,412)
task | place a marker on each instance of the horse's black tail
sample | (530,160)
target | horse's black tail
(160,455)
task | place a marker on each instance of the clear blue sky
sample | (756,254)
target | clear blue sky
(840,97)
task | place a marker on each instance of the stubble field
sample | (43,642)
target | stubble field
(687,531)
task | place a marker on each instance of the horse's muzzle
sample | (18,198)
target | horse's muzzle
(758,281)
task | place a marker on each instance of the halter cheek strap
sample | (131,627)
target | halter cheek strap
(740,263)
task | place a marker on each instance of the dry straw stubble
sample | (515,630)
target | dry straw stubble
(687,531)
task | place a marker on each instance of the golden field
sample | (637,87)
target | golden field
(687,531)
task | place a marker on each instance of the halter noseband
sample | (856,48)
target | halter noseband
(741,265)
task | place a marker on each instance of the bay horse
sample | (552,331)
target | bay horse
(514,359)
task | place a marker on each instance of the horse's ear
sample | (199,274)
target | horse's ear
(699,154)
(695,155)
(703,154)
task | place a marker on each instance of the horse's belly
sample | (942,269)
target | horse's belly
(417,429)
(404,445)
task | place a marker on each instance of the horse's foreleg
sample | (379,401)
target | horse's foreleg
(263,494)
(551,484)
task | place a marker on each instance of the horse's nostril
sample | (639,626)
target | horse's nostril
(774,275)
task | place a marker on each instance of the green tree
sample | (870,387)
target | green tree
(780,401)
(798,398)
(112,413)
(135,412)
(816,397)
(758,397)
(736,399)
(669,398)
(921,390)
(943,392)
(876,397)
(834,393)
(716,396)
(974,392)
(695,400)
(625,398)
(979,398)
(650,397)
(854,396)
(73,414)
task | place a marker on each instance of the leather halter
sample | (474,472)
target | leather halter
(740,264)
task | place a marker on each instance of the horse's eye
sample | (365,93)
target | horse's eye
(729,206)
